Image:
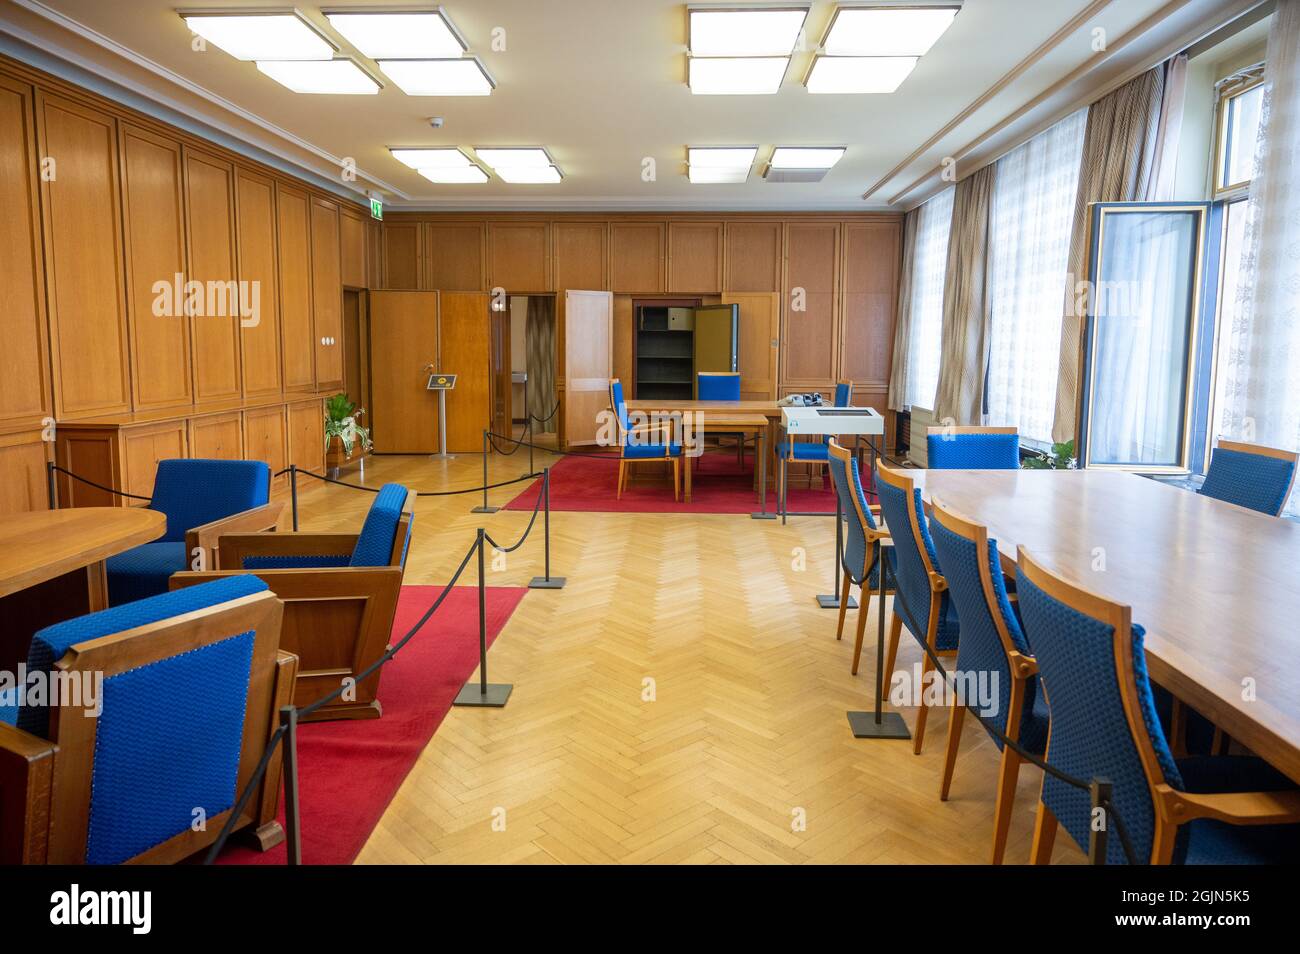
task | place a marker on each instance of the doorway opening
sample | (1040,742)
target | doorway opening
(525,341)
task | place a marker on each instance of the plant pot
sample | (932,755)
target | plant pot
(336,458)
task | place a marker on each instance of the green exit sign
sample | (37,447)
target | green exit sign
(376,208)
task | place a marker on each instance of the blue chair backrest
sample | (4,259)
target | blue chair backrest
(1091,737)
(913,580)
(169,734)
(1256,481)
(973,451)
(193,491)
(718,387)
(980,648)
(620,409)
(843,398)
(848,487)
(374,546)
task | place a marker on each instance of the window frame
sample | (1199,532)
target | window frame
(1228,90)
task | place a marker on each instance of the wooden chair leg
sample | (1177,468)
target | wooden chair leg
(891,655)
(1040,853)
(956,717)
(864,604)
(918,739)
(676,479)
(1178,729)
(622,471)
(1006,799)
(844,605)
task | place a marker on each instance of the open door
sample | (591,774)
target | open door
(715,338)
(586,349)
(403,342)
(758,343)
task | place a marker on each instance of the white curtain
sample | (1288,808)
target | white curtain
(1029,248)
(925,333)
(1262,371)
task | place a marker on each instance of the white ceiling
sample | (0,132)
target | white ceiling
(601,84)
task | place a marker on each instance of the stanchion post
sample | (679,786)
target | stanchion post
(884,725)
(831,600)
(484,508)
(293,494)
(531,469)
(1100,791)
(482,694)
(546,582)
(292,833)
(52,484)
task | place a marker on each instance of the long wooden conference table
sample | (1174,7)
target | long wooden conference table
(1216,587)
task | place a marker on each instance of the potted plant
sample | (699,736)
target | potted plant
(345,439)
(1060,457)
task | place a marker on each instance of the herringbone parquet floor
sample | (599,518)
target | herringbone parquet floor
(681,700)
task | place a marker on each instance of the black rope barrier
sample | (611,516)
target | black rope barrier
(1099,789)
(543,420)
(418,493)
(62,470)
(546,483)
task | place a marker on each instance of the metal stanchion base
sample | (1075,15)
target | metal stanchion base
(472,695)
(543,583)
(831,601)
(762,516)
(485,510)
(890,726)
(442,457)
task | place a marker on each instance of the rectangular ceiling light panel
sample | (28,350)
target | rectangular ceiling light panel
(337,77)
(806,157)
(753,32)
(399,35)
(451,77)
(431,158)
(729,76)
(463,175)
(528,175)
(261,36)
(859,74)
(498,157)
(909,30)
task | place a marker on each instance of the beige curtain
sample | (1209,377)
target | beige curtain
(960,395)
(903,322)
(539,331)
(1129,153)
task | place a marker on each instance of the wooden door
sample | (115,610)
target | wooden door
(586,347)
(758,343)
(210,229)
(501,367)
(326,293)
(297,336)
(465,344)
(403,343)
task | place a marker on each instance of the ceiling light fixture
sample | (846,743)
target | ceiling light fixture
(439,77)
(457,175)
(444,158)
(752,32)
(513,156)
(414,35)
(261,36)
(746,75)
(712,165)
(336,77)
(887,29)
(859,74)
(805,157)
(528,175)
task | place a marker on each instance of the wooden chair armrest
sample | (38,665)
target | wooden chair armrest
(26,782)
(265,517)
(268,799)
(880,533)
(1235,808)
(233,547)
(331,582)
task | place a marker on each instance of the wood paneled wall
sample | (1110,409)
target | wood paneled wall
(105,207)
(836,274)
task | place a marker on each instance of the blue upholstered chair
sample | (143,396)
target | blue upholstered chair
(340,592)
(1250,475)
(921,600)
(791,451)
(175,698)
(653,442)
(861,557)
(1202,810)
(994,651)
(721,386)
(202,499)
(972,448)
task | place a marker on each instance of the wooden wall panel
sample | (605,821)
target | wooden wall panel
(579,257)
(22,462)
(809,304)
(81,217)
(298,336)
(454,256)
(210,224)
(624,335)
(352,249)
(694,257)
(637,257)
(25,396)
(753,256)
(264,437)
(374,253)
(403,255)
(307,436)
(153,204)
(217,437)
(326,293)
(465,341)
(143,448)
(519,256)
(872,256)
(259,332)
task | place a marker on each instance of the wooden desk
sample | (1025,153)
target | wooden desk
(733,422)
(1214,585)
(52,566)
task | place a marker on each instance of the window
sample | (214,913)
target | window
(929,266)
(1031,220)
(1241,98)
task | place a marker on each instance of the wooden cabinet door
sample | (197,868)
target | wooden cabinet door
(326,293)
(753,256)
(579,254)
(403,255)
(694,257)
(586,345)
(24,367)
(22,461)
(260,328)
(453,256)
(403,342)
(465,343)
(217,437)
(297,334)
(519,256)
(210,224)
(81,216)
(143,447)
(758,343)
(307,436)
(153,205)
(352,249)
(811,342)
(264,438)
(636,257)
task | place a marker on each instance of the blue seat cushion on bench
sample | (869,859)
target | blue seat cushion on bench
(645,451)
(291,562)
(143,571)
(803,450)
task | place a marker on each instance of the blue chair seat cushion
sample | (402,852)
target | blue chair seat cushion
(803,450)
(143,571)
(295,562)
(1209,842)
(642,451)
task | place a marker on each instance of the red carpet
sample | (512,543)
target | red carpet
(718,486)
(350,771)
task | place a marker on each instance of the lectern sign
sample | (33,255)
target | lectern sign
(441,382)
